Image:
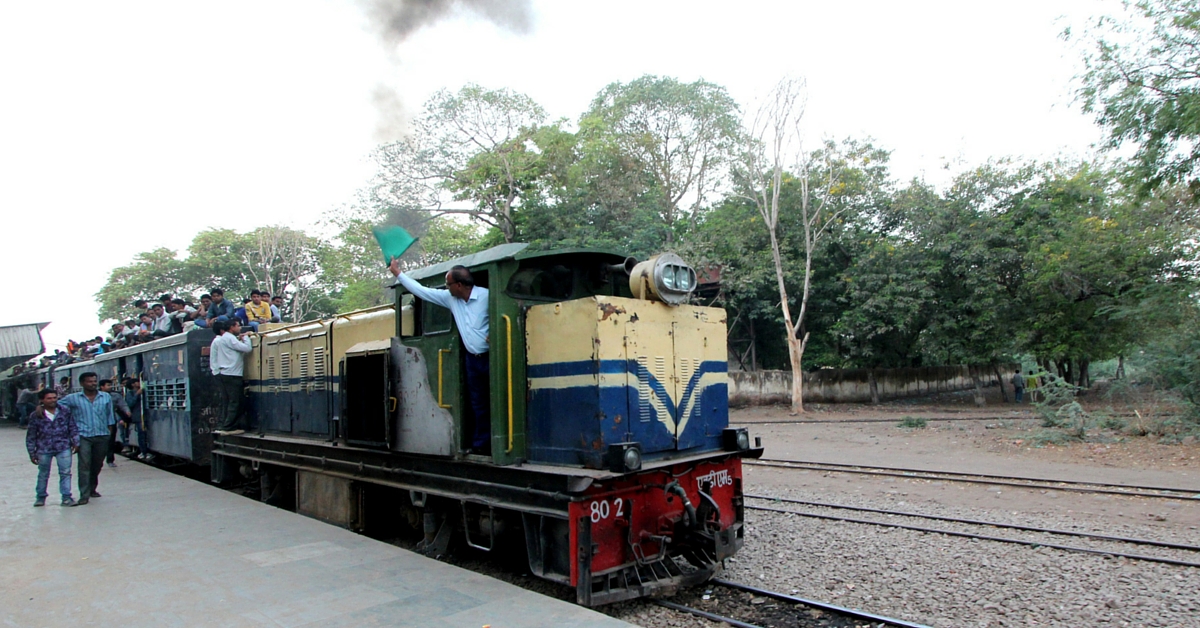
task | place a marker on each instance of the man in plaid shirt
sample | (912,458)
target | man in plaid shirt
(52,435)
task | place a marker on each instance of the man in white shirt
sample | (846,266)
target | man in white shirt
(226,360)
(469,305)
(162,321)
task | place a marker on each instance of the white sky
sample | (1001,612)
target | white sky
(127,126)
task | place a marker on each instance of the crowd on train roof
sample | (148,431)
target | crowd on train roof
(167,316)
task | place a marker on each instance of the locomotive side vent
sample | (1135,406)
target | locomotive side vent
(318,368)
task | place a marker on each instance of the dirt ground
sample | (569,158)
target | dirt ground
(995,439)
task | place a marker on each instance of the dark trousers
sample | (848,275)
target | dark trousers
(23,412)
(478,384)
(112,444)
(92,451)
(231,401)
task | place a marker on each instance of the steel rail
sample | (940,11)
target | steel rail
(814,603)
(983,537)
(705,614)
(994,524)
(919,418)
(984,478)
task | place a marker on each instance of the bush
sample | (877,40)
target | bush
(912,422)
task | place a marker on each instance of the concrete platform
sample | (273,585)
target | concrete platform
(162,550)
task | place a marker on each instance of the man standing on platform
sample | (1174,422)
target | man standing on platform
(52,436)
(93,413)
(226,361)
(469,305)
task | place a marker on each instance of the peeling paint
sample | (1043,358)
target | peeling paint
(609,309)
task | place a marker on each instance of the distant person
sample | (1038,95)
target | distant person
(26,401)
(52,436)
(277,309)
(221,308)
(202,311)
(468,303)
(63,388)
(162,321)
(122,411)
(258,310)
(227,361)
(93,412)
(1018,382)
(137,418)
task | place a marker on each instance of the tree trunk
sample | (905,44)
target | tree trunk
(753,347)
(874,386)
(1000,382)
(1085,380)
(979,400)
(796,354)
(1120,367)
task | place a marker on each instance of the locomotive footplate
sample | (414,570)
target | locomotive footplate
(610,536)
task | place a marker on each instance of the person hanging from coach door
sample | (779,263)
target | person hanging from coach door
(469,305)
(93,412)
(226,359)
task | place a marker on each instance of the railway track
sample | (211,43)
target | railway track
(1181,547)
(1076,486)
(924,418)
(745,606)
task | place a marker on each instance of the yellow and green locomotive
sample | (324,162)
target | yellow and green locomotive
(611,457)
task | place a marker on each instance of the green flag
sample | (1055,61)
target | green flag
(393,241)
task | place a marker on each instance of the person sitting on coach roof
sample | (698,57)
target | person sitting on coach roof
(93,412)
(162,321)
(221,308)
(226,360)
(201,319)
(258,310)
(146,327)
(52,436)
(276,309)
(469,305)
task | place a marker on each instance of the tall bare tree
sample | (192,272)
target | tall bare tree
(284,261)
(774,144)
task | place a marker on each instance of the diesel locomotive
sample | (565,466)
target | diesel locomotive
(612,465)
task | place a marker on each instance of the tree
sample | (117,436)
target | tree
(775,138)
(682,135)
(473,145)
(286,261)
(1142,82)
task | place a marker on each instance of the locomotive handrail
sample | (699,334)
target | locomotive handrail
(440,353)
(508,336)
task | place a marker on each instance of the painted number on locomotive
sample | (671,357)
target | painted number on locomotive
(602,509)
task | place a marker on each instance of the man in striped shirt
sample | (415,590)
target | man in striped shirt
(93,412)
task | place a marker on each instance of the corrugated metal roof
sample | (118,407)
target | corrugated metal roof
(20,342)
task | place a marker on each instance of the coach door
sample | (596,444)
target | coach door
(367,393)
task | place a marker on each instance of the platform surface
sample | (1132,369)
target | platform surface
(162,550)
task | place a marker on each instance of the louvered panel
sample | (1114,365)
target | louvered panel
(302,361)
(643,388)
(319,370)
(285,371)
(272,382)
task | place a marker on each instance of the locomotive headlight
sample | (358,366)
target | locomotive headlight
(665,278)
(633,459)
(624,457)
(735,439)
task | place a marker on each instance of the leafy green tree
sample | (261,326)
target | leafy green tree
(682,136)
(473,146)
(1142,83)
